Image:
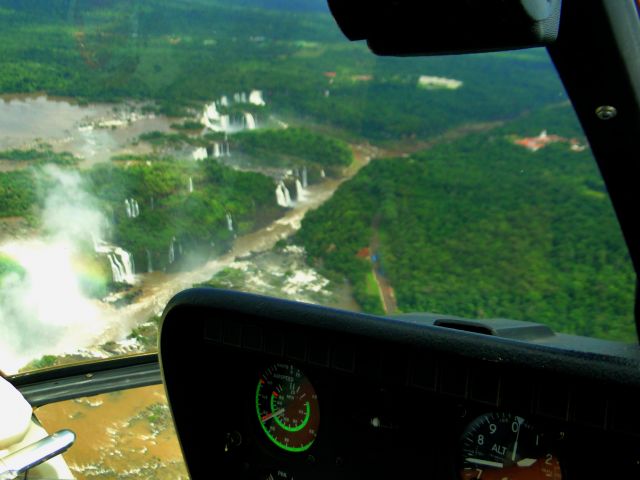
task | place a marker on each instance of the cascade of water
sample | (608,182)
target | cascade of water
(224,101)
(249,121)
(236,97)
(135,208)
(287,196)
(149,262)
(116,274)
(172,251)
(121,262)
(212,112)
(199,153)
(127,207)
(280,198)
(322,174)
(224,123)
(190,187)
(229,222)
(216,150)
(205,121)
(228,150)
(300,193)
(126,261)
(305,182)
(243,97)
(255,98)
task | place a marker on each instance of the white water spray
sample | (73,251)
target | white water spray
(44,310)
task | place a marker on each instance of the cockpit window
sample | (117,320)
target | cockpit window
(150,147)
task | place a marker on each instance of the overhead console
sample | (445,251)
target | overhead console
(262,388)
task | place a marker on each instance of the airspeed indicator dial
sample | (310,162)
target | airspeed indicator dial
(287,407)
(505,446)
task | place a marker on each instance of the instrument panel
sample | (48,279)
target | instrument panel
(258,397)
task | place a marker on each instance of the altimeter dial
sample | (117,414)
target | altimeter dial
(287,407)
(505,446)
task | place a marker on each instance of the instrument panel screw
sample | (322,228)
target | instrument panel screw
(606,112)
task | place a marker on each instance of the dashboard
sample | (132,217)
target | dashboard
(262,388)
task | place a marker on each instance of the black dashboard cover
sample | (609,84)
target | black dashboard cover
(616,363)
(436,27)
(212,341)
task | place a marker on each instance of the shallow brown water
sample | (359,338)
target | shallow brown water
(125,434)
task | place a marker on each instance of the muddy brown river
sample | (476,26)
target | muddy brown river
(93,132)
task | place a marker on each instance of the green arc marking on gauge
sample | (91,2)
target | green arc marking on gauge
(286,427)
(271,437)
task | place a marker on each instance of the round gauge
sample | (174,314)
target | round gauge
(287,407)
(499,446)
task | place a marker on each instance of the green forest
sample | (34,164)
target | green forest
(291,146)
(180,56)
(483,228)
(196,220)
(473,225)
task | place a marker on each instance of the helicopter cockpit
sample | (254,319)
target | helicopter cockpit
(268,388)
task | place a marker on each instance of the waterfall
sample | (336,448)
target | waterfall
(249,121)
(172,251)
(255,98)
(132,208)
(212,112)
(305,184)
(216,150)
(229,222)
(199,153)
(287,196)
(224,122)
(149,263)
(236,97)
(121,262)
(300,193)
(322,174)
(190,187)
(243,97)
(224,101)
(213,120)
(115,270)
(282,195)
(127,263)
(228,150)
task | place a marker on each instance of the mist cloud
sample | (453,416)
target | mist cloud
(44,310)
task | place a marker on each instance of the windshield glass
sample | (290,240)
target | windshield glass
(146,147)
